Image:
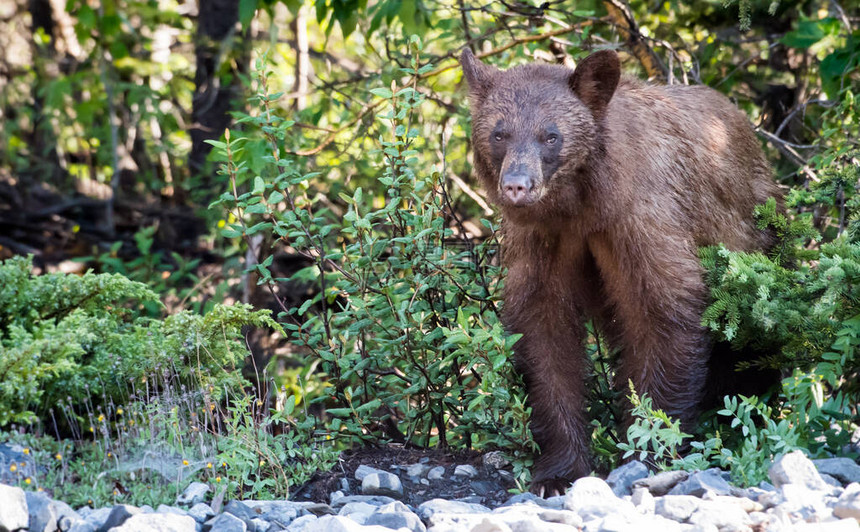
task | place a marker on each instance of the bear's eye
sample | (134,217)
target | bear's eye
(551,139)
(498,137)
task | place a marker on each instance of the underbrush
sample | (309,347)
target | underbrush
(109,405)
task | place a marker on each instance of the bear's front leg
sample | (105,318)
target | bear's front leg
(551,357)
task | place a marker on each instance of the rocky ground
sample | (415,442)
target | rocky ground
(403,494)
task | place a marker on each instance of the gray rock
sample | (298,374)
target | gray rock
(382,483)
(417,470)
(848,504)
(431,510)
(796,468)
(622,478)
(364,470)
(46,514)
(830,480)
(337,523)
(81,525)
(375,500)
(119,514)
(240,510)
(358,511)
(436,473)
(396,515)
(157,523)
(98,517)
(201,512)
(702,481)
(495,460)
(194,493)
(285,511)
(465,470)
(661,483)
(227,522)
(845,470)
(335,495)
(261,525)
(525,498)
(677,507)
(14,513)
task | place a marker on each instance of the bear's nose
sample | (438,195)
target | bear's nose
(517,187)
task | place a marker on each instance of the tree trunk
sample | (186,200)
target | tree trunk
(213,99)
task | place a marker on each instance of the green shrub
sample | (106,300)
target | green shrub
(79,340)
(403,320)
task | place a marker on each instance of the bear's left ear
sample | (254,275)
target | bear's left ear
(595,79)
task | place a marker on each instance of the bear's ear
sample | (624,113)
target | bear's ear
(478,75)
(595,79)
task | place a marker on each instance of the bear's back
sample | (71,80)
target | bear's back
(689,154)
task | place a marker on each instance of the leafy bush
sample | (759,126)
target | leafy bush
(403,320)
(78,340)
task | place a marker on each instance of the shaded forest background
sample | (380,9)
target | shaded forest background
(343,201)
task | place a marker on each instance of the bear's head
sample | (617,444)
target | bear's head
(534,126)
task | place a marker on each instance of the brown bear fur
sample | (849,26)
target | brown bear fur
(607,186)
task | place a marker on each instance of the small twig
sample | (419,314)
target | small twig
(471,193)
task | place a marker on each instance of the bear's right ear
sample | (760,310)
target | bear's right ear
(478,75)
(595,79)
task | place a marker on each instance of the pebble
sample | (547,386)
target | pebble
(801,499)
(363,471)
(382,483)
(466,471)
(157,523)
(436,473)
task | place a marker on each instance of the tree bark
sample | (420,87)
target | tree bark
(213,99)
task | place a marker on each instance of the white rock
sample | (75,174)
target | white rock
(465,470)
(157,523)
(796,468)
(436,473)
(843,525)
(301,522)
(643,500)
(338,523)
(194,493)
(417,470)
(848,504)
(13,511)
(441,512)
(488,524)
(592,497)
(677,507)
(720,515)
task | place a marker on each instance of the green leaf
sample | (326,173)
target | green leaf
(382,92)
(247,10)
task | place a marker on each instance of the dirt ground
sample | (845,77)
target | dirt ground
(490,487)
